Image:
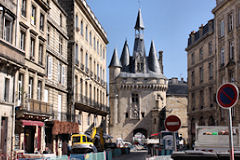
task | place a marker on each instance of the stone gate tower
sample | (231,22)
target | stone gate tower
(137,89)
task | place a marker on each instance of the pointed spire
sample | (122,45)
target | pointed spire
(115,60)
(139,23)
(125,57)
(153,63)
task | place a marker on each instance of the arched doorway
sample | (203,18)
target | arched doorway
(139,136)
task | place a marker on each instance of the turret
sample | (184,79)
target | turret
(125,57)
(153,63)
(115,66)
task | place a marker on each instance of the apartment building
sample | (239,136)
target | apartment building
(201,78)
(87,98)
(11,59)
(32,109)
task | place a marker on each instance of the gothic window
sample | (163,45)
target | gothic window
(135,106)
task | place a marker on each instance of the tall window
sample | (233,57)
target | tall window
(193,58)
(193,78)
(20,88)
(231,76)
(86,61)
(97,70)
(76,55)
(39,91)
(94,43)
(90,38)
(22,39)
(59,72)
(201,99)
(210,69)
(201,74)
(210,96)
(221,27)
(33,15)
(97,47)
(230,22)
(61,20)
(231,50)
(7,32)
(60,48)
(222,57)
(82,28)
(86,34)
(48,35)
(40,54)
(210,50)
(6,89)
(193,101)
(201,53)
(49,67)
(76,21)
(30,88)
(100,50)
(41,22)
(135,98)
(23,9)
(32,49)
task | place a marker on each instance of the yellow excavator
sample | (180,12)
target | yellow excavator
(98,130)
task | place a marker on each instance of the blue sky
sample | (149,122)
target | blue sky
(167,22)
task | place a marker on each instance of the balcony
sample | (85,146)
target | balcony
(91,74)
(86,104)
(87,70)
(82,67)
(34,109)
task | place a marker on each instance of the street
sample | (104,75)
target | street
(134,155)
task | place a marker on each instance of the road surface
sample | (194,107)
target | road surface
(134,155)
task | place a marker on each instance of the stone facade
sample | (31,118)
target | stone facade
(204,78)
(137,90)
(177,103)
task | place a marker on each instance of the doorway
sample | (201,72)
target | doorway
(29,134)
(4,133)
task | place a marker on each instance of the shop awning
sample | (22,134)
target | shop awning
(32,123)
(60,127)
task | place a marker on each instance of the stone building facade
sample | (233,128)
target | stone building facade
(11,60)
(137,89)
(177,103)
(213,56)
(87,88)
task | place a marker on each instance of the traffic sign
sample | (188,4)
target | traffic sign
(172,123)
(227,95)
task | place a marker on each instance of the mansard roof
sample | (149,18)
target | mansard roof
(153,63)
(125,57)
(115,60)
(139,23)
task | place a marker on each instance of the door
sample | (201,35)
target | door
(3,149)
(29,134)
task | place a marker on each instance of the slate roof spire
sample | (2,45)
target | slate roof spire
(125,57)
(115,60)
(139,23)
(153,63)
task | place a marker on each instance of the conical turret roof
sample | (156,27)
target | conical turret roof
(115,60)
(139,23)
(153,63)
(125,57)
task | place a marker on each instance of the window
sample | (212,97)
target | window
(76,55)
(40,54)
(238,16)
(221,32)
(6,89)
(32,49)
(222,57)
(48,35)
(231,50)
(76,22)
(82,28)
(60,20)
(30,88)
(20,88)
(86,89)
(22,40)
(7,32)
(135,98)
(86,34)
(94,43)
(49,67)
(193,58)
(45,95)
(23,9)
(86,61)
(63,75)
(126,115)
(201,53)
(59,72)
(231,76)
(97,47)
(193,78)
(39,91)
(201,99)
(210,50)
(193,101)
(100,50)
(210,69)
(97,70)
(230,22)
(60,48)
(33,16)
(201,74)
(41,22)
(89,119)
(90,38)
(84,139)
(143,114)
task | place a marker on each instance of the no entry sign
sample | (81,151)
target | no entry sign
(227,95)
(172,123)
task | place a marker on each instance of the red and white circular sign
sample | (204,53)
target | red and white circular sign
(172,123)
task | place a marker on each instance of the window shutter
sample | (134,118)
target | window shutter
(50,67)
